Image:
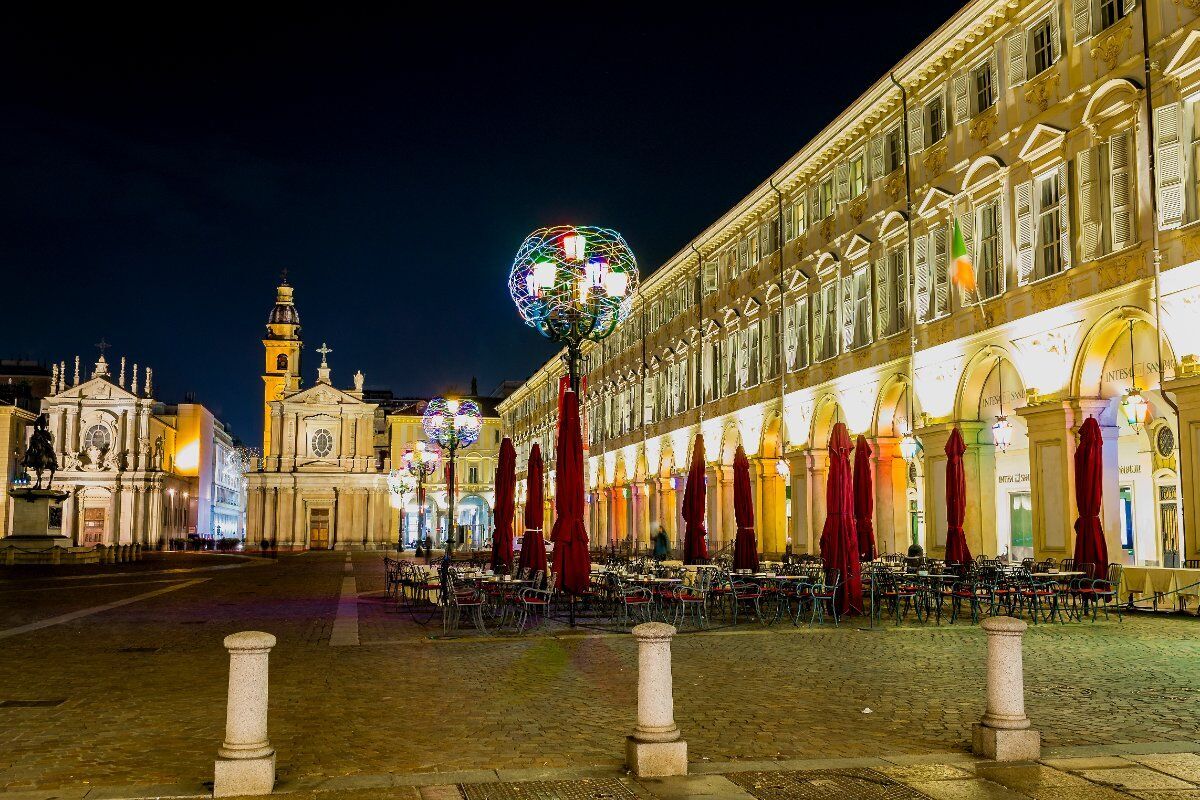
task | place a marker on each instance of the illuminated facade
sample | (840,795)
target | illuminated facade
(826,295)
(134,468)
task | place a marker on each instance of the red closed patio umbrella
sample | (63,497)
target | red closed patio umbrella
(572,563)
(695,549)
(745,547)
(1090,546)
(957,551)
(839,542)
(864,500)
(506,483)
(533,545)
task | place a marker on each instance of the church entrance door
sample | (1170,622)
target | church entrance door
(318,529)
(93,526)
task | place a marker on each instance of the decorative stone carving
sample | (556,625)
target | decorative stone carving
(94,457)
(1107,46)
(858,208)
(982,125)
(827,228)
(934,159)
(112,461)
(71,462)
(1042,89)
(894,185)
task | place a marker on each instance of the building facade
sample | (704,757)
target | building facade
(827,295)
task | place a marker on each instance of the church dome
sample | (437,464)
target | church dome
(284,312)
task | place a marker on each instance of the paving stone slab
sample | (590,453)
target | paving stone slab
(1135,778)
(972,789)
(1181,765)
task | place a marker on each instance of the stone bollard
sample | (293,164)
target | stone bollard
(246,760)
(102,554)
(1004,733)
(655,749)
(137,552)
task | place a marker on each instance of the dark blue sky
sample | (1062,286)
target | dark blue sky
(159,172)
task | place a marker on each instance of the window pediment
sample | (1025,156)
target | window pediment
(1043,140)
(751,307)
(858,246)
(1186,61)
(934,199)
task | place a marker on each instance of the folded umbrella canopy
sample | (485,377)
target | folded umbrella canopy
(506,484)
(695,549)
(957,551)
(1090,546)
(572,563)
(533,545)
(864,500)
(745,547)
(839,543)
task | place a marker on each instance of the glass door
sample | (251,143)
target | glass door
(1020,526)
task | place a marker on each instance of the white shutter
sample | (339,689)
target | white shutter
(966,224)
(1064,215)
(876,158)
(843,182)
(818,324)
(847,312)
(993,69)
(939,269)
(881,298)
(916,129)
(922,256)
(1014,46)
(801,221)
(814,197)
(1119,191)
(1169,165)
(791,334)
(1082,12)
(1089,204)
(789,226)
(1055,32)
(901,279)
(1129,6)
(962,103)
(1024,201)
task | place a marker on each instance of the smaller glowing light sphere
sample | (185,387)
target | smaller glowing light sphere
(909,447)
(574,246)
(1135,408)
(616,283)
(420,461)
(1002,432)
(452,423)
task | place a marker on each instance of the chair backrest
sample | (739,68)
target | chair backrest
(833,578)
(1067,565)
(1114,574)
(1191,563)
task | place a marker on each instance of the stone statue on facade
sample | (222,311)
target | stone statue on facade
(359,378)
(39,455)
(158,452)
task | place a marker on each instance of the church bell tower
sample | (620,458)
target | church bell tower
(281,371)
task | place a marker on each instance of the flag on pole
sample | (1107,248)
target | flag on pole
(963,274)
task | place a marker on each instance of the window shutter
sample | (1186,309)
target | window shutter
(916,129)
(966,224)
(876,158)
(843,182)
(801,223)
(939,270)
(1014,45)
(1169,163)
(1055,32)
(1024,200)
(791,332)
(962,105)
(789,227)
(1119,174)
(993,69)
(921,246)
(901,279)
(818,318)
(1089,204)
(814,197)
(1082,12)
(881,298)
(1129,6)
(1064,215)
(847,312)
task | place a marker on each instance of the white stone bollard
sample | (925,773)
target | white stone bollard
(246,760)
(1004,733)
(655,749)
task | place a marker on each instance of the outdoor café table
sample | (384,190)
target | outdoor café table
(1155,582)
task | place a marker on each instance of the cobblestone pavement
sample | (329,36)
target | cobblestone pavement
(143,686)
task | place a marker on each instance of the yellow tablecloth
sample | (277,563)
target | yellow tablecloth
(1149,581)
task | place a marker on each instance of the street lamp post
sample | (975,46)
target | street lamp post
(451,424)
(420,464)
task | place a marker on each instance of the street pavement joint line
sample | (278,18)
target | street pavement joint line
(87,612)
(345,623)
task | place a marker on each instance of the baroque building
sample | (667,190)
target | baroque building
(826,294)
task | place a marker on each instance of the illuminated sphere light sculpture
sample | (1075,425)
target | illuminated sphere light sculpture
(574,283)
(451,424)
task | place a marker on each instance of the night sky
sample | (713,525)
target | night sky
(159,172)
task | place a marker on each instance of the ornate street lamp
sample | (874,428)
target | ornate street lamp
(420,463)
(452,424)
(1002,429)
(574,283)
(909,446)
(1134,406)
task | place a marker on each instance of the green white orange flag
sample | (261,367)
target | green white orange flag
(963,273)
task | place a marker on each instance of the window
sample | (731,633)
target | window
(322,443)
(825,198)
(743,255)
(893,154)
(860,304)
(753,354)
(472,474)
(729,348)
(991,262)
(892,286)
(858,176)
(712,371)
(281,362)
(802,340)
(710,276)
(1105,177)
(1041,47)
(1049,256)
(793,220)
(1111,11)
(939,265)
(97,436)
(770,346)
(825,319)
(983,92)
(935,120)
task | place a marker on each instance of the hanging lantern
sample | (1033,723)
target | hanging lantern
(909,447)
(1135,408)
(1002,432)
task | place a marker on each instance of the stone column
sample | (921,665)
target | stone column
(1186,389)
(892,533)
(1053,428)
(808,468)
(269,502)
(666,505)
(246,760)
(979,467)
(1004,734)
(648,489)
(655,749)
(770,501)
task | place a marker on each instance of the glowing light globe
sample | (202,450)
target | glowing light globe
(452,423)
(574,282)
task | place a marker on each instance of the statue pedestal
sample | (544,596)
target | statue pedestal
(37,536)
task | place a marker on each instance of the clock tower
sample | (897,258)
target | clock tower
(281,370)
